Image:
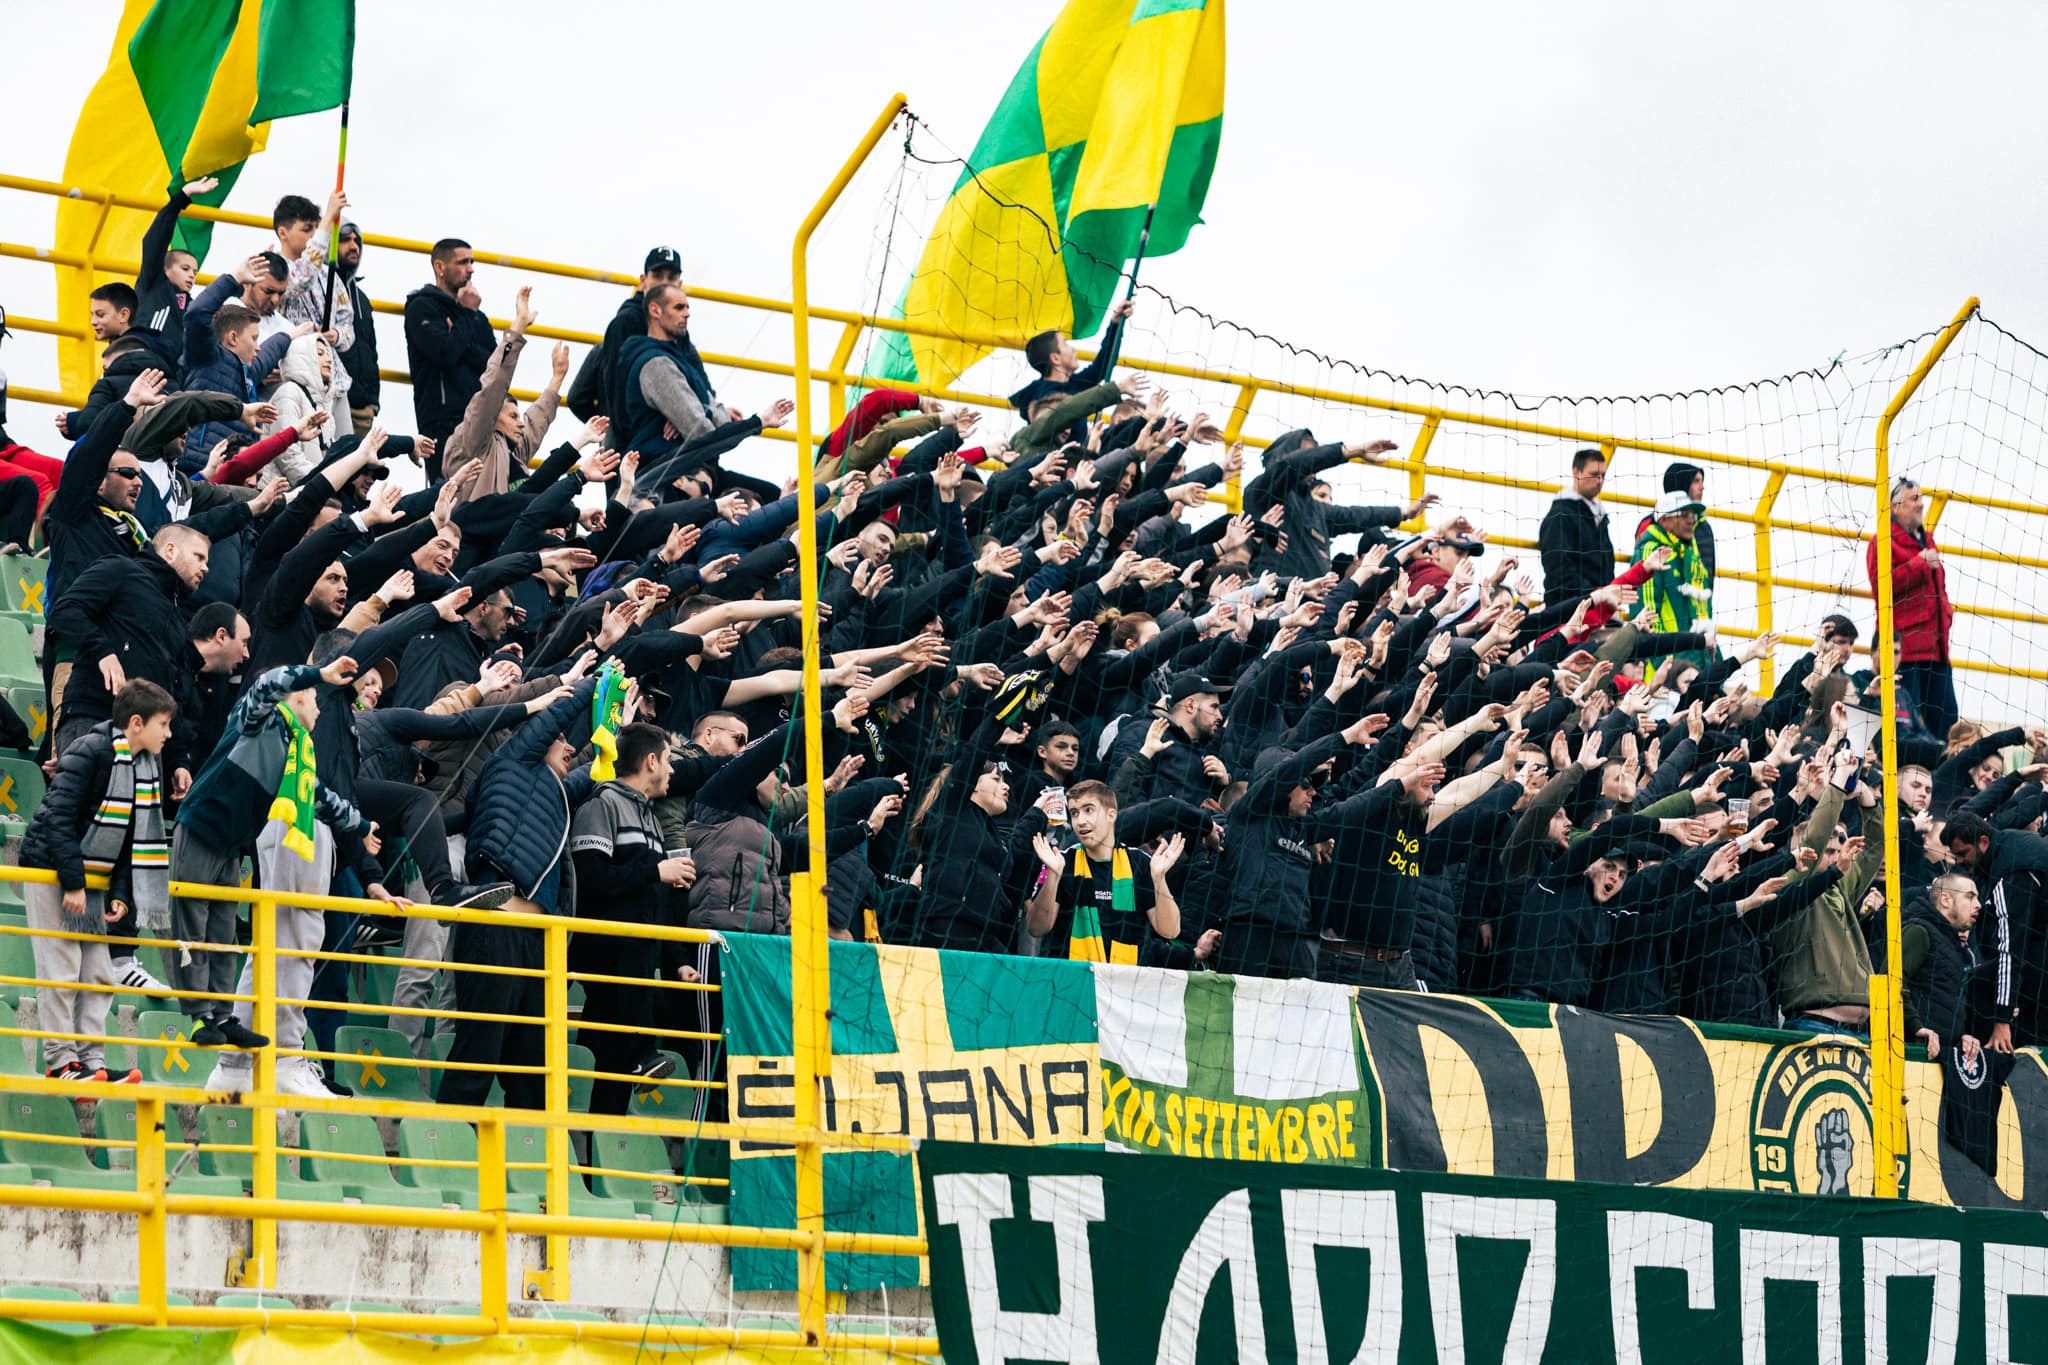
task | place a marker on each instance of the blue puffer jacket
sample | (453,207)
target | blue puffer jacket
(519,813)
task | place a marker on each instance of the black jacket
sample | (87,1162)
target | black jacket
(159,304)
(971,886)
(282,624)
(83,771)
(2011,880)
(388,736)
(445,652)
(126,357)
(360,360)
(1936,986)
(597,387)
(519,816)
(130,608)
(447,347)
(1577,548)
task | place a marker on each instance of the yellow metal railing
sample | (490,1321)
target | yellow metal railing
(1761,517)
(155,1198)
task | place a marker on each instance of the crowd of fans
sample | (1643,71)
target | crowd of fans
(1068,710)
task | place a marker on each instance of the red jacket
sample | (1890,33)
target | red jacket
(1921,611)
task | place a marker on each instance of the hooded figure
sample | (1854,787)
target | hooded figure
(1690,480)
(305,386)
(1288,478)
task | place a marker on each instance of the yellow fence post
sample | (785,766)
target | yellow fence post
(552,1281)
(1418,471)
(810,989)
(150,1279)
(261,1271)
(490,1198)
(1233,487)
(1766,608)
(1887,1047)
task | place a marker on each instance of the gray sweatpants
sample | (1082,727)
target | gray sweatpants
(279,869)
(61,1010)
(198,922)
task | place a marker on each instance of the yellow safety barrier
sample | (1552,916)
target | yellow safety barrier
(155,1198)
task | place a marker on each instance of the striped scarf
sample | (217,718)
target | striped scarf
(133,804)
(126,524)
(293,803)
(1085,943)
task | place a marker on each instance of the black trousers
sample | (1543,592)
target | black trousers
(607,1002)
(697,1012)
(1250,949)
(18,509)
(1350,969)
(409,821)
(490,1043)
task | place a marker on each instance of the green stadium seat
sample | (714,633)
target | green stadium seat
(50,1293)
(21,788)
(14,1051)
(22,578)
(59,1163)
(371,1181)
(18,666)
(33,708)
(116,1119)
(665,1101)
(450,1140)
(631,1152)
(273,1301)
(549,1312)
(135,1295)
(229,1125)
(768,1323)
(376,1077)
(581,1058)
(524,1143)
(182,1064)
(18,959)
(364,1307)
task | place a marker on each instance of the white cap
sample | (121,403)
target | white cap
(1678,500)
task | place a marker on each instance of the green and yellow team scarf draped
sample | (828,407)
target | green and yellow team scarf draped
(1086,943)
(126,524)
(607,706)
(293,803)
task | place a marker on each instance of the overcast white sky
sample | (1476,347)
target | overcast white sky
(1582,198)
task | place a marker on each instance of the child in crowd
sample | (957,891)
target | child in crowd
(103,816)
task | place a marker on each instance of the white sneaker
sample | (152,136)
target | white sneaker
(230,1078)
(301,1076)
(131,973)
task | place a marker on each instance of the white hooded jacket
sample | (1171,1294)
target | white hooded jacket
(299,394)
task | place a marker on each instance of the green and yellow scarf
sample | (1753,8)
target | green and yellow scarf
(293,803)
(607,708)
(1085,943)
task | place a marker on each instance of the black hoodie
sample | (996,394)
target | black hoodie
(447,346)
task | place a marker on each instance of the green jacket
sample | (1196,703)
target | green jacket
(1681,593)
(1044,433)
(1822,958)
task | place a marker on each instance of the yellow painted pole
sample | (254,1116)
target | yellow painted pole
(810,982)
(150,1278)
(261,1272)
(490,1198)
(553,1282)
(1887,1013)
(1766,605)
(1418,470)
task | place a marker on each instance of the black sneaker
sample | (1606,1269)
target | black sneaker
(209,1034)
(652,1068)
(378,931)
(467,896)
(70,1071)
(236,1034)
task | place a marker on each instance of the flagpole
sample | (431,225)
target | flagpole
(1116,343)
(334,230)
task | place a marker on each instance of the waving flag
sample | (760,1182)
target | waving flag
(189,90)
(1118,108)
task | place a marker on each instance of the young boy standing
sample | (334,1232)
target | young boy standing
(262,789)
(102,816)
(1095,903)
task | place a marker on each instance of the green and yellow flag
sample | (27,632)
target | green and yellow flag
(1118,108)
(189,90)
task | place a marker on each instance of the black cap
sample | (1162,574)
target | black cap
(663,258)
(1185,685)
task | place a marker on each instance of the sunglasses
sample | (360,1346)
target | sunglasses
(131,472)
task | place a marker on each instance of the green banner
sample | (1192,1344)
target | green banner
(1095,1256)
